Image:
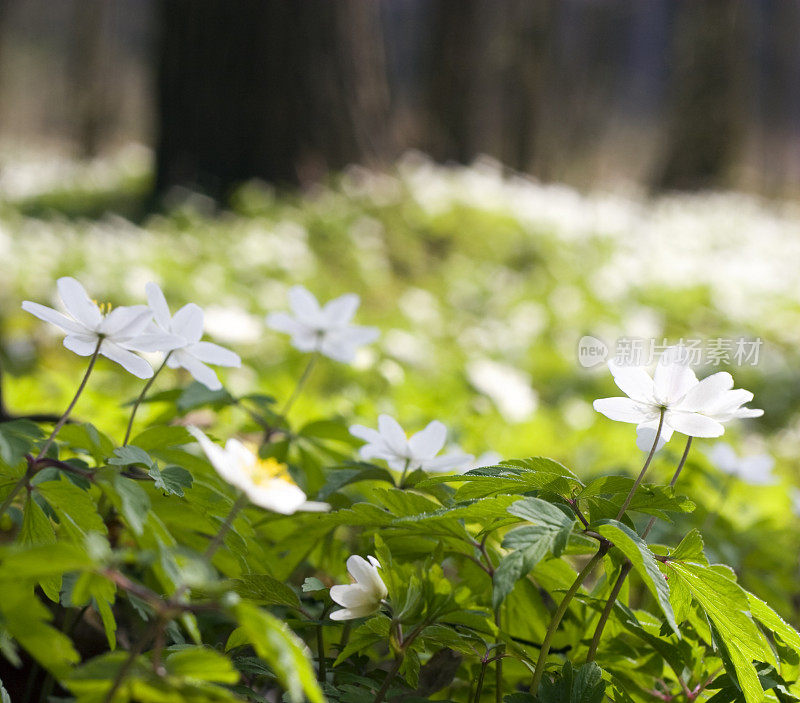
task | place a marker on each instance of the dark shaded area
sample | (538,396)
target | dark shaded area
(668,94)
(273,90)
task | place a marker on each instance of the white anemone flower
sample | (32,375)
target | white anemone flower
(364,596)
(691,407)
(120,331)
(755,469)
(192,354)
(407,454)
(265,482)
(324,329)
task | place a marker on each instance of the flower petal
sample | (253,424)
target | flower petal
(366,433)
(223,460)
(452,461)
(126,359)
(673,378)
(199,371)
(694,424)
(427,443)
(276,495)
(211,353)
(188,322)
(646,435)
(158,304)
(707,392)
(303,303)
(54,317)
(633,381)
(283,322)
(154,342)
(126,322)
(340,311)
(624,410)
(78,303)
(81,344)
(393,435)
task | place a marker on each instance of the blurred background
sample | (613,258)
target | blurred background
(663,94)
(495,178)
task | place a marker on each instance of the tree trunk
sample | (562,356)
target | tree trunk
(270,89)
(709,93)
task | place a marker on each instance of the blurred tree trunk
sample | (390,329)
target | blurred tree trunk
(87,62)
(708,94)
(487,68)
(269,89)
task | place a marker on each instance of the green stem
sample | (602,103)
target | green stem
(403,474)
(141,398)
(479,685)
(498,665)
(65,416)
(626,568)
(128,663)
(300,383)
(398,662)
(556,619)
(646,466)
(216,542)
(321,673)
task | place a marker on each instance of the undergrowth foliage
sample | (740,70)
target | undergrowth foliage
(169,567)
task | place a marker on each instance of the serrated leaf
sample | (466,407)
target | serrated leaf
(728,609)
(312,584)
(644,561)
(131,454)
(134,502)
(171,479)
(266,590)
(584,685)
(690,549)
(201,663)
(277,645)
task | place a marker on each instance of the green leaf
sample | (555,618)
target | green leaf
(774,622)
(196,395)
(73,505)
(606,485)
(171,479)
(645,563)
(26,619)
(312,584)
(277,645)
(585,685)
(16,440)
(86,438)
(329,429)
(203,664)
(264,589)
(550,532)
(540,512)
(162,437)
(44,560)
(134,502)
(728,609)
(339,478)
(690,549)
(131,454)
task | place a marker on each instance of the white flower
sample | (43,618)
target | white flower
(755,469)
(265,482)
(363,597)
(691,407)
(187,326)
(389,442)
(121,330)
(324,329)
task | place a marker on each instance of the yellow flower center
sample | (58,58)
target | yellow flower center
(105,308)
(266,470)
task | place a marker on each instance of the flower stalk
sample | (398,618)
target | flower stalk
(141,398)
